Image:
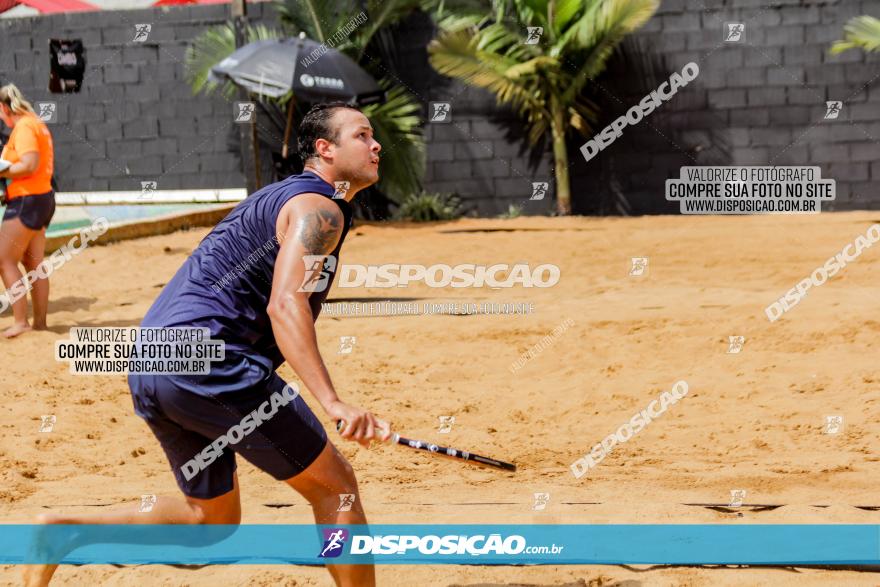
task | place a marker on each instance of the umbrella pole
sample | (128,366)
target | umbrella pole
(256,146)
(238,11)
(288,127)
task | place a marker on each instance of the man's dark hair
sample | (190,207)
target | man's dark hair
(316,125)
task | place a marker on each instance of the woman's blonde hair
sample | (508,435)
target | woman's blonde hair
(12,97)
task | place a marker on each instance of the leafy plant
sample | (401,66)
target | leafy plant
(210,48)
(395,122)
(543,82)
(425,207)
(860,32)
(513,211)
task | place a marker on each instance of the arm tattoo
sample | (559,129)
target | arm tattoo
(318,231)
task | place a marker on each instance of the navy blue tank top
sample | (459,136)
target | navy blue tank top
(226,283)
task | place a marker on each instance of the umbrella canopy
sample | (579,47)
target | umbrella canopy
(312,70)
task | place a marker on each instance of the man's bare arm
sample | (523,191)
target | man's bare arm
(310,224)
(313,227)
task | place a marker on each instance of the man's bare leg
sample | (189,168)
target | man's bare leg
(321,484)
(225,509)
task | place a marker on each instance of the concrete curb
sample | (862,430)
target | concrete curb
(165,224)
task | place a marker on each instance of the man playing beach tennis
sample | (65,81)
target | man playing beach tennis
(258,306)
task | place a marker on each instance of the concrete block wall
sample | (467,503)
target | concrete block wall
(757,102)
(480,154)
(472,157)
(135,118)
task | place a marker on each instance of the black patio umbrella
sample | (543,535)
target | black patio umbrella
(313,71)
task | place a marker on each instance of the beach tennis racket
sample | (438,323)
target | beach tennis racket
(444,451)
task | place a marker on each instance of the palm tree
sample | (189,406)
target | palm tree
(543,82)
(396,122)
(861,31)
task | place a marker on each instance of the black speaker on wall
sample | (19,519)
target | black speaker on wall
(68,65)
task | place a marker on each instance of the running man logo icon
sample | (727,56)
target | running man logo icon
(541,501)
(317,273)
(539,190)
(244,112)
(141,32)
(446,423)
(533,34)
(639,266)
(735,344)
(341,189)
(441,112)
(833,424)
(346,344)
(47,111)
(334,541)
(735,32)
(147,189)
(737,496)
(47,423)
(147,503)
(832,109)
(346,500)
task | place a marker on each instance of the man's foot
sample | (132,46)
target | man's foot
(39,575)
(16,329)
(40,326)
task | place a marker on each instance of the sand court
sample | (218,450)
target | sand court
(786,416)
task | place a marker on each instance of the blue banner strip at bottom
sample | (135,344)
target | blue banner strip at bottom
(483,544)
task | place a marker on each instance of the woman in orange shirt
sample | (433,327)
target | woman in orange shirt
(29,208)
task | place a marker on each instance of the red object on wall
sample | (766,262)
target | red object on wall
(56,6)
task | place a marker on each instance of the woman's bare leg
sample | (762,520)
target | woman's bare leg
(14,240)
(33,256)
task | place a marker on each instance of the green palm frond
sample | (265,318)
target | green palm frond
(321,20)
(860,32)
(495,58)
(565,11)
(532,12)
(597,38)
(542,82)
(396,122)
(384,14)
(457,54)
(397,126)
(452,23)
(318,20)
(210,48)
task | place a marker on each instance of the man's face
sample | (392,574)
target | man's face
(355,152)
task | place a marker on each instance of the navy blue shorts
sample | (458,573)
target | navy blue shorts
(35,212)
(282,441)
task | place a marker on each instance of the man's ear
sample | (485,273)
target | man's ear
(322,146)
